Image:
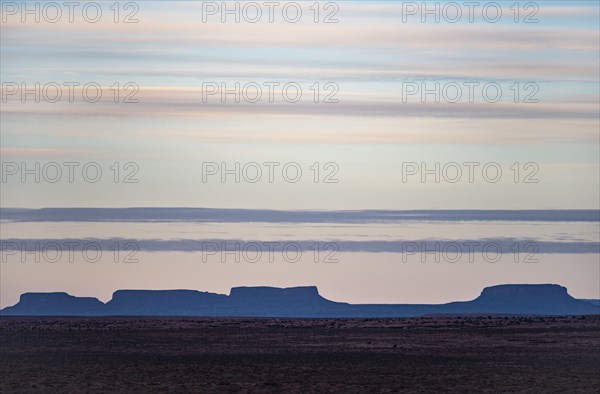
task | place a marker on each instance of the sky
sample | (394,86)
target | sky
(373,57)
(346,105)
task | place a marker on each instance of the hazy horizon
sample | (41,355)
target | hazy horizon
(455,253)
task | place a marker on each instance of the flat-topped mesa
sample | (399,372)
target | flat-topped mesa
(272,301)
(269,292)
(57,303)
(544,299)
(135,296)
(528,299)
(264,296)
(161,302)
(545,292)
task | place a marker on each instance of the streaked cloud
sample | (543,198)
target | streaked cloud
(15,246)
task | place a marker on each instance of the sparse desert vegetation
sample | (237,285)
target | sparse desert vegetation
(427,354)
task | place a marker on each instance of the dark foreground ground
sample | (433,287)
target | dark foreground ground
(448,354)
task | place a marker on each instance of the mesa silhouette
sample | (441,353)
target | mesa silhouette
(538,299)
